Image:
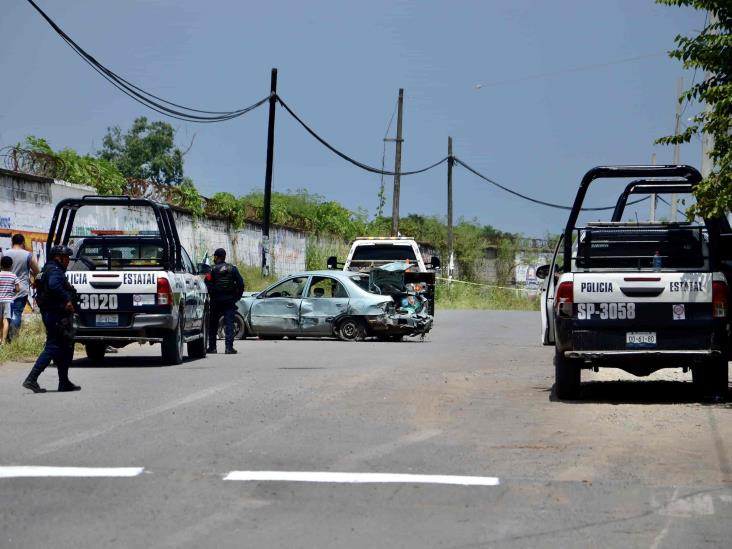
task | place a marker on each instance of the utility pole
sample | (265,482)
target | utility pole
(450,259)
(708,139)
(653,196)
(677,147)
(397,167)
(268,175)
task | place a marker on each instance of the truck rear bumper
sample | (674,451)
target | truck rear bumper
(638,353)
(144,327)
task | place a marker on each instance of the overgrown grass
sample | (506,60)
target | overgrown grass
(253,279)
(464,296)
(27,345)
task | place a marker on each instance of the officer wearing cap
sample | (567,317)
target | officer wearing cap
(225,286)
(56,298)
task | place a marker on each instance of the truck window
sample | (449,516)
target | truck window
(113,255)
(383,252)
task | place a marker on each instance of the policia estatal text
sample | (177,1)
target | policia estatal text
(56,299)
(225,286)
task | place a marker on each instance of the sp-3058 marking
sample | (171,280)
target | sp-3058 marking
(606,311)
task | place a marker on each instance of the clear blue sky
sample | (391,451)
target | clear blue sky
(340,66)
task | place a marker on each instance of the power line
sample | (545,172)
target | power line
(534,200)
(344,156)
(158,104)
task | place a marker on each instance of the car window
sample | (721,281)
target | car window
(292,287)
(325,286)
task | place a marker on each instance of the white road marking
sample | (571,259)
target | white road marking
(28,471)
(359,478)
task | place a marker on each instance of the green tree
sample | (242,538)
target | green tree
(146,151)
(709,51)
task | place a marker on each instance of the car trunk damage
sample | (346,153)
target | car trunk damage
(411,292)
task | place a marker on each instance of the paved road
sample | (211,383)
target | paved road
(634,464)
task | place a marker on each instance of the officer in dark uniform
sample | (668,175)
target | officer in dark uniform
(225,286)
(56,298)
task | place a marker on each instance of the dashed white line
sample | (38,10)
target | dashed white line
(27,471)
(359,478)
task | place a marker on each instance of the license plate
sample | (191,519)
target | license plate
(107,320)
(640,339)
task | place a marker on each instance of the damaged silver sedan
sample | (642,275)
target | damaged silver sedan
(347,305)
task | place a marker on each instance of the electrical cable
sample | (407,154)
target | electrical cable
(534,200)
(669,205)
(140,95)
(348,158)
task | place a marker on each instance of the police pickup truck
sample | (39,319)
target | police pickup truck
(133,285)
(638,296)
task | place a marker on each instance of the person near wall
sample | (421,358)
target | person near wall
(56,299)
(25,264)
(9,288)
(225,287)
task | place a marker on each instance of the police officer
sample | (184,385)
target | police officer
(56,298)
(225,286)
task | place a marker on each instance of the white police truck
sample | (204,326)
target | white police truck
(134,284)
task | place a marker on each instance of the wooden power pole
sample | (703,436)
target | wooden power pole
(268,175)
(397,168)
(450,252)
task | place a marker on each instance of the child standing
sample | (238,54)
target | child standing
(9,287)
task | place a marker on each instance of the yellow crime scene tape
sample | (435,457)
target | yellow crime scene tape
(485,285)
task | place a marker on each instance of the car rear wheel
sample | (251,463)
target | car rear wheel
(172,345)
(198,347)
(351,329)
(567,377)
(711,378)
(95,351)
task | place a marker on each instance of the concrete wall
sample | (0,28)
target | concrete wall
(27,203)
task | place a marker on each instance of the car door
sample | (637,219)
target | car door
(326,299)
(276,311)
(548,289)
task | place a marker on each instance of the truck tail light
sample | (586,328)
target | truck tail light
(564,299)
(719,299)
(164,292)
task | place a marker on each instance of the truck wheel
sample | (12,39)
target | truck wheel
(198,347)
(351,329)
(95,351)
(172,346)
(711,378)
(567,377)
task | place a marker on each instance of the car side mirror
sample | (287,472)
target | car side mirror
(332,263)
(203,268)
(435,262)
(542,272)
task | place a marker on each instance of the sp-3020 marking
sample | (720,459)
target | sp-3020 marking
(606,311)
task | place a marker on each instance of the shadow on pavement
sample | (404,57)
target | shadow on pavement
(637,392)
(125,361)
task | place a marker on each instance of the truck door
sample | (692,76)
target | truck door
(548,289)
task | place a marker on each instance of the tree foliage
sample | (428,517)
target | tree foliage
(76,168)
(711,52)
(146,151)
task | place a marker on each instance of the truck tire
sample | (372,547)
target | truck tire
(351,329)
(567,377)
(171,349)
(95,351)
(711,379)
(198,347)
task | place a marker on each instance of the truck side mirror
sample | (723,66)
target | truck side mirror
(542,272)
(203,268)
(435,262)
(332,263)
